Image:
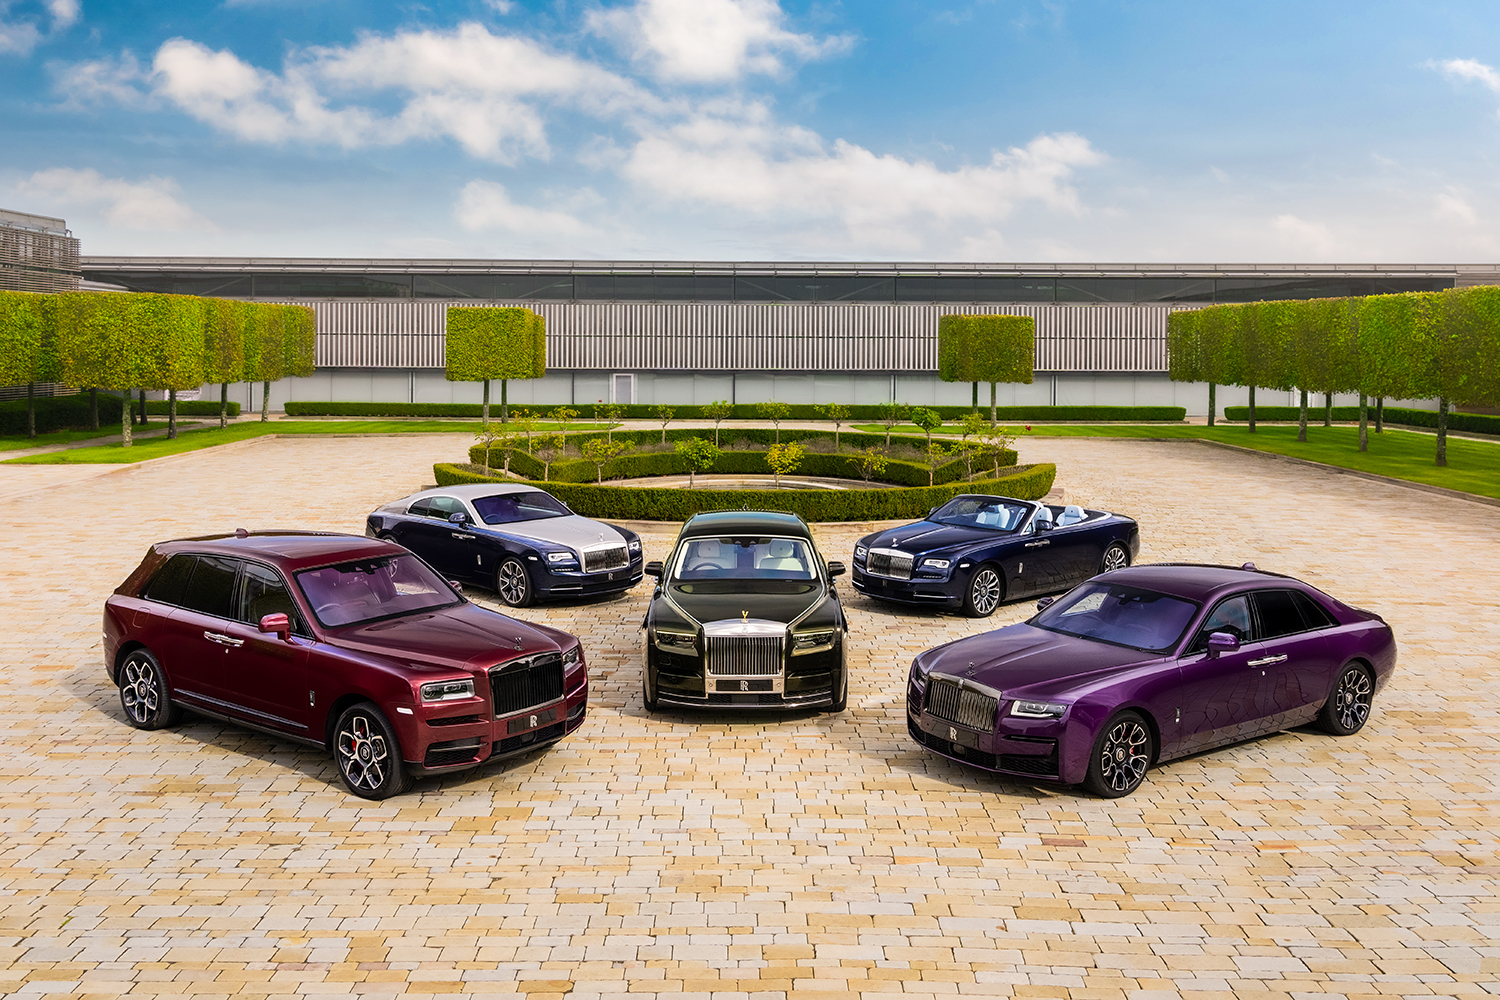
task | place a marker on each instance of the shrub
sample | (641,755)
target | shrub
(1030,482)
(747,411)
(1477,423)
(62,413)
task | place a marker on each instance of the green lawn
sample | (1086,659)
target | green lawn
(16,442)
(1473,466)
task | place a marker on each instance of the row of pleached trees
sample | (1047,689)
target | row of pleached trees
(1414,345)
(126,341)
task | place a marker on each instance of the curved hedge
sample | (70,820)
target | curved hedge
(656,503)
(746,411)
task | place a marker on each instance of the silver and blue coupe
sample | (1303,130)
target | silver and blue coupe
(522,542)
(976,551)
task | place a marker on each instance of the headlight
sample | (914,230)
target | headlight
(920,670)
(860,551)
(635,546)
(448,690)
(572,656)
(808,642)
(935,564)
(1037,709)
(677,641)
(560,557)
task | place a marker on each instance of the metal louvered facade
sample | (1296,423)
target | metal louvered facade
(705,336)
(37,254)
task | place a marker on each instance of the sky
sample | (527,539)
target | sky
(752,130)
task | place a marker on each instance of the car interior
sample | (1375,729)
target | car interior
(742,558)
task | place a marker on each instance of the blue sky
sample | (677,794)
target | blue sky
(983,130)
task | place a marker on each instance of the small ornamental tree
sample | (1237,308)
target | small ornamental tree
(548,447)
(774,412)
(487,436)
(563,416)
(601,452)
(838,413)
(871,461)
(936,452)
(718,411)
(927,420)
(784,459)
(666,415)
(485,343)
(891,414)
(609,414)
(971,426)
(526,421)
(700,456)
(986,349)
(994,442)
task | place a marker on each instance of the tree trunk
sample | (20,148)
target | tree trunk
(1213,403)
(171,414)
(1327,409)
(223,405)
(93,409)
(127,418)
(1252,409)
(1379,414)
(505,401)
(992,406)
(143,407)
(31,409)
(1302,418)
(1442,434)
(265,402)
(1364,422)
(484,415)
(975,396)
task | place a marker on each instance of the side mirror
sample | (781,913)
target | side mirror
(459,518)
(1222,642)
(1045,603)
(277,624)
(1045,525)
(653,569)
(456,586)
(836,568)
(933,510)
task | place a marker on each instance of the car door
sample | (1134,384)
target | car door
(1221,697)
(1296,658)
(196,640)
(444,546)
(265,676)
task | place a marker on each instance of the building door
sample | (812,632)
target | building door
(622,389)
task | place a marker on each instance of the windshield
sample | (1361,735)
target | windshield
(744,558)
(362,591)
(507,508)
(981,512)
(1125,616)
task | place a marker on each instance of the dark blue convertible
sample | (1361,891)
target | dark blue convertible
(976,551)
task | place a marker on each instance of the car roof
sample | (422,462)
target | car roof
(290,550)
(470,491)
(746,522)
(1197,581)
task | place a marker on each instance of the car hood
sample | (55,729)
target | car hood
(711,607)
(466,636)
(928,536)
(1020,656)
(574,531)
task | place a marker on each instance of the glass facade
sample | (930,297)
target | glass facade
(806,287)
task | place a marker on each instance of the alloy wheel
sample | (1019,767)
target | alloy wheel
(363,754)
(984,592)
(511,583)
(1125,755)
(1352,699)
(141,690)
(1114,558)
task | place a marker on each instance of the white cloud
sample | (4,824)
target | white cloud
(101,81)
(1468,70)
(710,40)
(149,205)
(1451,204)
(485,205)
(20,36)
(1309,240)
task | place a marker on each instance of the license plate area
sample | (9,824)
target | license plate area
(533,720)
(748,685)
(953,734)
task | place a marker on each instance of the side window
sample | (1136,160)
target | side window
(169,583)
(263,592)
(422,508)
(1315,614)
(210,590)
(443,506)
(1278,613)
(1232,616)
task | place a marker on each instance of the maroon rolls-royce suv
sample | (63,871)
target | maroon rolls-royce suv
(350,644)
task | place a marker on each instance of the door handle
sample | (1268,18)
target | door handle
(1267,660)
(1037,545)
(223,640)
(459,534)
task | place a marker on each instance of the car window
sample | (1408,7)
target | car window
(263,592)
(1314,613)
(210,589)
(169,583)
(744,558)
(507,508)
(441,507)
(422,508)
(368,589)
(981,512)
(1124,616)
(1232,616)
(1278,613)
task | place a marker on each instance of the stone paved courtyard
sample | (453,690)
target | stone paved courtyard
(741,857)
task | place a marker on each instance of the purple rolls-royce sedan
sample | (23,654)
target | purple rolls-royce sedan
(1144,665)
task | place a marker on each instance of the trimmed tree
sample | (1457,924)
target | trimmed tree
(718,411)
(28,345)
(784,459)
(485,343)
(224,347)
(700,455)
(1185,353)
(838,413)
(265,351)
(986,349)
(774,412)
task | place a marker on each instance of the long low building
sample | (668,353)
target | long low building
(687,333)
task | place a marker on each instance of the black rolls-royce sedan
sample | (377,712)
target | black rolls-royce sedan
(745,615)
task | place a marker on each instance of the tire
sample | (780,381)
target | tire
(1122,753)
(841,700)
(1348,705)
(1115,557)
(985,592)
(367,753)
(513,584)
(143,693)
(648,693)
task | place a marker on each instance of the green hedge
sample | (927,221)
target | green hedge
(191,407)
(746,411)
(992,348)
(488,342)
(61,413)
(1479,423)
(662,504)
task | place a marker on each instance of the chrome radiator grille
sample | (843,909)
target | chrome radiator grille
(969,708)
(526,683)
(606,557)
(888,562)
(744,656)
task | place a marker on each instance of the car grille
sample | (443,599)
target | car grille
(1044,765)
(536,737)
(889,562)
(605,557)
(972,709)
(744,656)
(526,683)
(451,752)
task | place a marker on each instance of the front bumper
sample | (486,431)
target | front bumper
(455,742)
(809,680)
(1023,748)
(562,586)
(930,592)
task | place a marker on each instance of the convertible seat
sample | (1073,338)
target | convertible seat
(1071,514)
